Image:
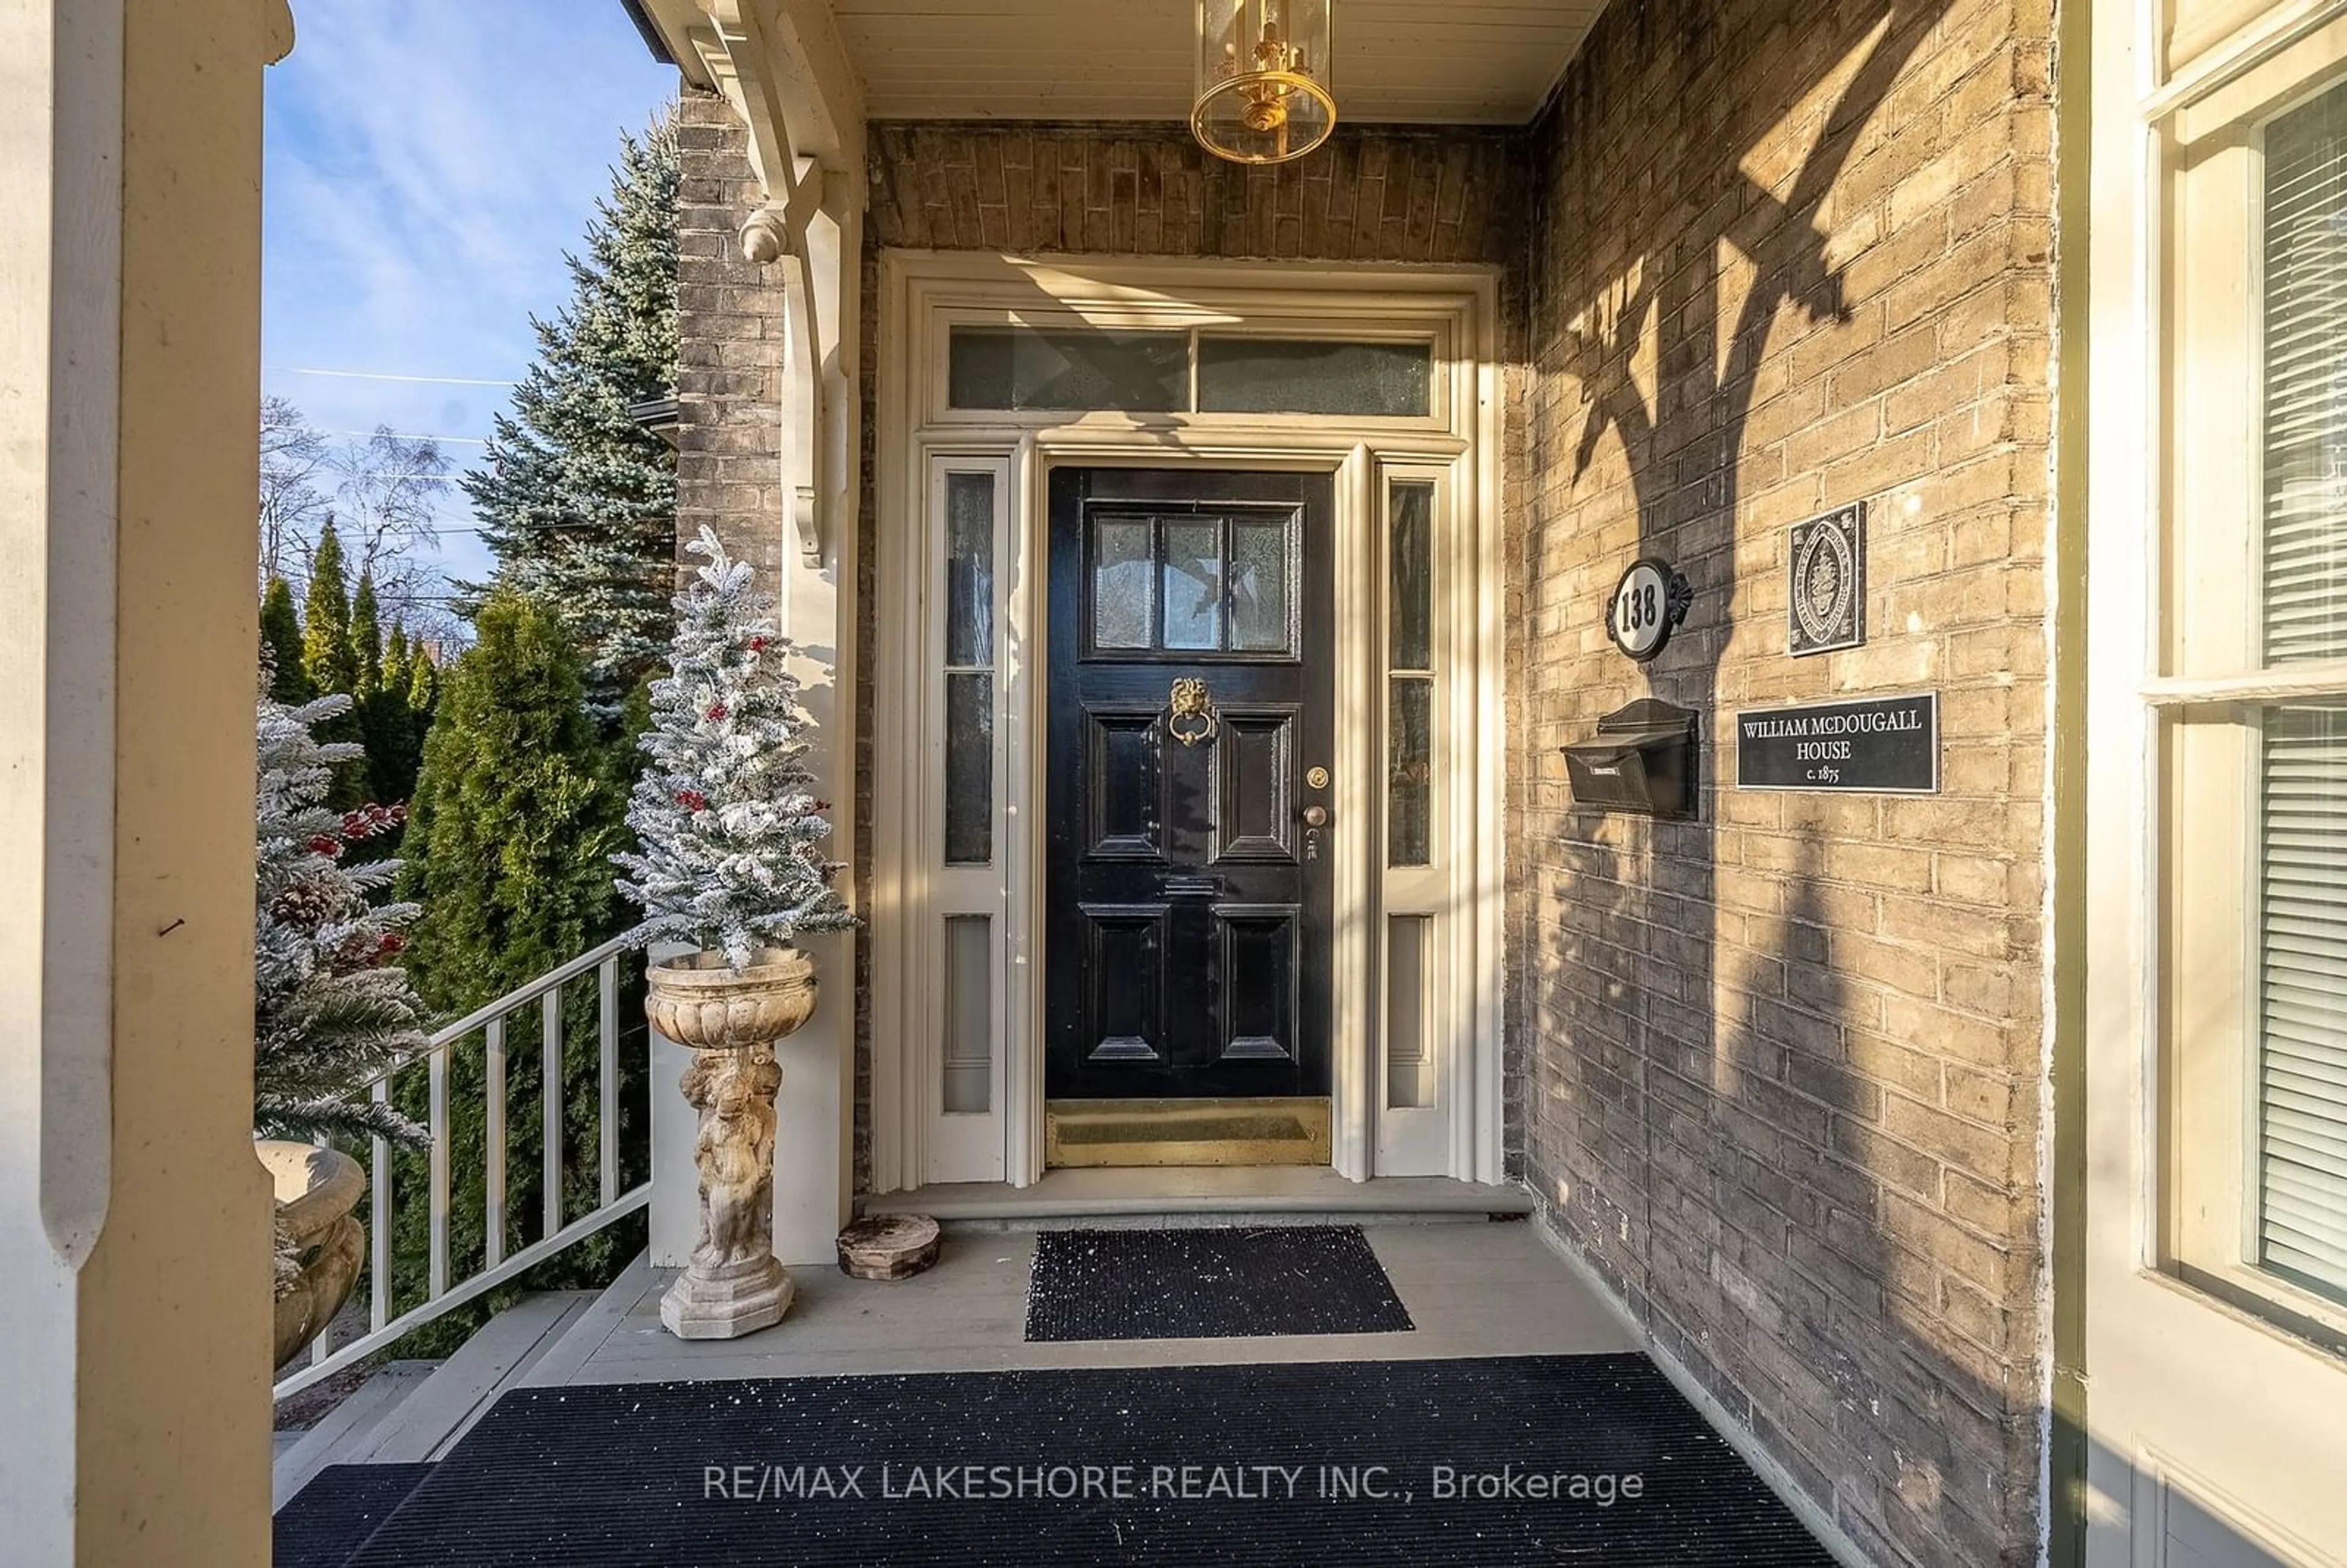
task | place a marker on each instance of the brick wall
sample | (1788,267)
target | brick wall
(1775,1071)
(729,324)
(1373,194)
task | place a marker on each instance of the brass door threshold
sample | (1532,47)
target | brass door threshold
(1185,1132)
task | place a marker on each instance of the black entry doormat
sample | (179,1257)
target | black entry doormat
(1209,1283)
(1497,1462)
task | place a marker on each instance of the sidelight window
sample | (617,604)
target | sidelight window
(951,1020)
(1409,679)
(970,603)
(1416,893)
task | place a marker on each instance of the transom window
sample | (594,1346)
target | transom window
(1080,369)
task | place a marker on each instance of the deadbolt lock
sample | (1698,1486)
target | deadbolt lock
(1318,778)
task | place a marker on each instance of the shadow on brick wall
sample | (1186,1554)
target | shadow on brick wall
(1704,1137)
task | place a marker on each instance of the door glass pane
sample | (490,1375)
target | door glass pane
(2305,597)
(969,568)
(2302,986)
(1193,584)
(1286,376)
(970,770)
(1410,776)
(969,1015)
(1412,587)
(1409,1068)
(1124,583)
(1259,577)
(1070,369)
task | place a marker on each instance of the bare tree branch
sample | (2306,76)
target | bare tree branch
(293,455)
(381,494)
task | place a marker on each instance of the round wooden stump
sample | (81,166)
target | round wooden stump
(889,1247)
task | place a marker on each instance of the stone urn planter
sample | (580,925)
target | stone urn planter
(316,1191)
(730,1019)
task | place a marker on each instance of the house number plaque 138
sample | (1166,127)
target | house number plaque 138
(1648,603)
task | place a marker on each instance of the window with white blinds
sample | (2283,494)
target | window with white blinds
(2301,991)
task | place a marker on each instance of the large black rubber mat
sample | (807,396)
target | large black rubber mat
(320,1525)
(1525,1460)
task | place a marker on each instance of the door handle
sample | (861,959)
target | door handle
(1315,818)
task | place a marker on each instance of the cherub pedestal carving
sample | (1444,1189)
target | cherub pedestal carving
(731,1021)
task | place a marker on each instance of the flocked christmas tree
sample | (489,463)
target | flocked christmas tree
(731,836)
(333,1009)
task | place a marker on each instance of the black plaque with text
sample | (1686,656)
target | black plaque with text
(1878,745)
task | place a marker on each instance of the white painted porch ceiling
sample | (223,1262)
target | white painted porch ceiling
(1415,61)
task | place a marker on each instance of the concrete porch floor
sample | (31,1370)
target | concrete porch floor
(1472,1290)
(1472,1287)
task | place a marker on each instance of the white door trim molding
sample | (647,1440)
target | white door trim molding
(922,296)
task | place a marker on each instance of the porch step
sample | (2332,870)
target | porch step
(445,1408)
(1201,1195)
(346,1428)
(413,1410)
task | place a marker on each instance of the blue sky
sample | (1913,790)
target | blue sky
(427,164)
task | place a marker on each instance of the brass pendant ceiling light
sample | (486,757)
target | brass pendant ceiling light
(1264,92)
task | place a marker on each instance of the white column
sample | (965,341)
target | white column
(134,1218)
(815,1140)
(815,609)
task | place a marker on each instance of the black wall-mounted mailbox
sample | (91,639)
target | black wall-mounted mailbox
(1643,759)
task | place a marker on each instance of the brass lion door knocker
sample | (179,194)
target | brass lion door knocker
(1191,717)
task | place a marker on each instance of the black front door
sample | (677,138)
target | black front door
(1190,723)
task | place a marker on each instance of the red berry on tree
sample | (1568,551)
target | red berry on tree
(692,800)
(321,845)
(757,645)
(716,711)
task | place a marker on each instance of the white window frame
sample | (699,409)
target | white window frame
(2204,684)
(2203,1403)
(922,296)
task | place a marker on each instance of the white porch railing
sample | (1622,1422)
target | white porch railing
(440,1294)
